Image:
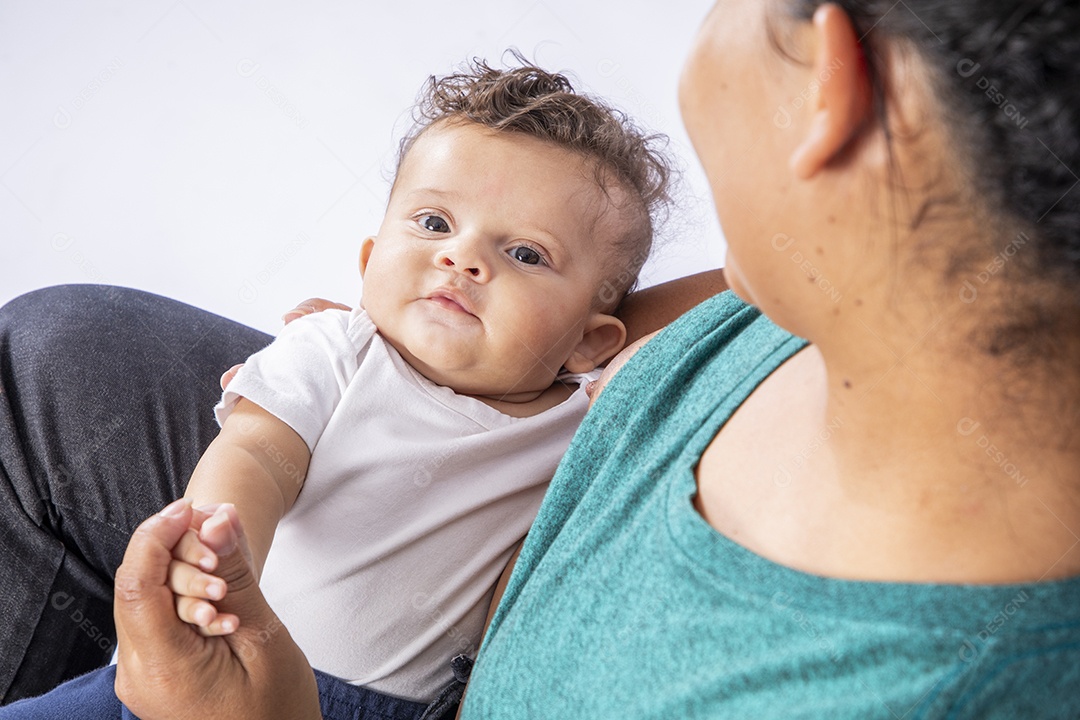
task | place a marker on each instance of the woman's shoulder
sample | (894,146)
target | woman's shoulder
(724,312)
(722,333)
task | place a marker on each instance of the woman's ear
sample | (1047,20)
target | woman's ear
(843,102)
(365,253)
(604,336)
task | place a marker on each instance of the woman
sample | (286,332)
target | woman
(878,521)
(748,525)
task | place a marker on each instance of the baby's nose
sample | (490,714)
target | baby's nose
(465,258)
(448,262)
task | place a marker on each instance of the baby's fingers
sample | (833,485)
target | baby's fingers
(205,617)
(187,580)
(192,551)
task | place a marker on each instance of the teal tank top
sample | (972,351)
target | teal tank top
(625,603)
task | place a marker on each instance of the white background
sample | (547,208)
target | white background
(234,154)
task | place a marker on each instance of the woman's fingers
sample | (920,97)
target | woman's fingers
(312,305)
(229,374)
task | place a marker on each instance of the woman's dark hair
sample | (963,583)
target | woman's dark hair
(1006,74)
(529,100)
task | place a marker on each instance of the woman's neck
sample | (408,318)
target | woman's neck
(976,466)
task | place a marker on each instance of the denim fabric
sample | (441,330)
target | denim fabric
(105,408)
(92,696)
(341,701)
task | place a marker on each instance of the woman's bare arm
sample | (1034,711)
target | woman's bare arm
(646,311)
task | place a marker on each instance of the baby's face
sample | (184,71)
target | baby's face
(486,270)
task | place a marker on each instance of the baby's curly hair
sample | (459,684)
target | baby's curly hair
(529,100)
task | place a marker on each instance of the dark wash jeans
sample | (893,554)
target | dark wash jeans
(105,408)
(106,398)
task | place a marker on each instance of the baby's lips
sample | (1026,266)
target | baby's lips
(453,297)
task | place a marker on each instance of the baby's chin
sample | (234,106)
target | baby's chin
(466,374)
(520,392)
(503,399)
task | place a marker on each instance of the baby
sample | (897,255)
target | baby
(396,455)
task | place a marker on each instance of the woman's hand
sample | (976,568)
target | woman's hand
(306,307)
(312,305)
(165,668)
(190,578)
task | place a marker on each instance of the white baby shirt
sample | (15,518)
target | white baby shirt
(414,500)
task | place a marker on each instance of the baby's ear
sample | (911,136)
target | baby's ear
(365,253)
(604,336)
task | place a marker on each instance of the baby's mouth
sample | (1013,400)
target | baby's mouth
(452,300)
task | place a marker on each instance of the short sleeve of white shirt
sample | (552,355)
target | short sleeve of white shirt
(301,377)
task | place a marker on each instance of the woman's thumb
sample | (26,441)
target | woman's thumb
(223,534)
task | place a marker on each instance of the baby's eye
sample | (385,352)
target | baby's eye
(525,254)
(433,223)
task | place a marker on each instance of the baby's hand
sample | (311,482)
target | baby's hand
(194,558)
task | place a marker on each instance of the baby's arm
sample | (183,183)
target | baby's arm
(257,464)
